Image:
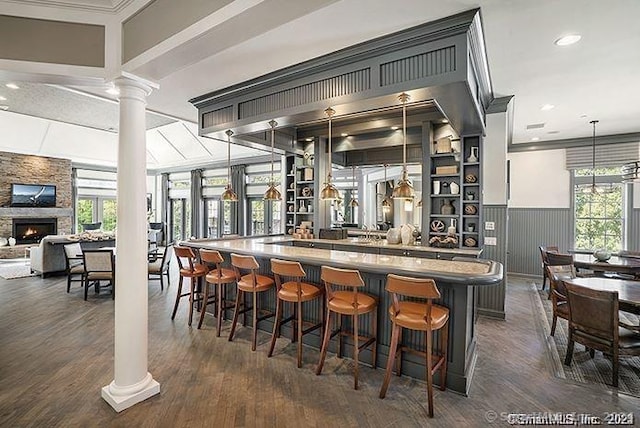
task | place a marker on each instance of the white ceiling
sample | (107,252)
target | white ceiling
(593,79)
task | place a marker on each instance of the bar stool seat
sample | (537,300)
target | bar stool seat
(262,283)
(198,271)
(411,315)
(342,303)
(289,292)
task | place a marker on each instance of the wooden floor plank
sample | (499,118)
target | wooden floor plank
(56,352)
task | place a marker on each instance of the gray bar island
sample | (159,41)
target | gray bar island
(456,280)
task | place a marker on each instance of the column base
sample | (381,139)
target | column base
(125,399)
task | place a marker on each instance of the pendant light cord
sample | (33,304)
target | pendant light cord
(404,97)
(273,124)
(229,134)
(593,156)
(329,112)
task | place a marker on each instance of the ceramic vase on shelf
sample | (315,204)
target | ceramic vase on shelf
(452,229)
(454,188)
(446,208)
(406,234)
(303,208)
(12,241)
(474,155)
(393,236)
(436,187)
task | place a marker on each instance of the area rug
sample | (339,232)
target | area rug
(15,271)
(584,369)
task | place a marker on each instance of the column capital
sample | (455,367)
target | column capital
(128,80)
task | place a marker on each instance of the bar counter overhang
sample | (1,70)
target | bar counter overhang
(457,281)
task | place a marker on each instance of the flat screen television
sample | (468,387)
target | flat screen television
(33,195)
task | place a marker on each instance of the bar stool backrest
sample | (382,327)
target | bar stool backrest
(246,264)
(423,288)
(185,253)
(287,269)
(343,277)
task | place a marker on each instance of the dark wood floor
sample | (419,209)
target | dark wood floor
(56,352)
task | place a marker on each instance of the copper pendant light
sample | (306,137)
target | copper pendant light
(229,194)
(329,191)
(354,201)
(404,189)
(272,193)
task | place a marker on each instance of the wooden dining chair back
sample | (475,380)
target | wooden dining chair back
(99,265)
(594,322)
(557,275)
(412,308)
(344,298)
(558,259)
(291,287)
(249,281)
(219,276)
(189,267)
(544,250)
(159,267)
(73,264)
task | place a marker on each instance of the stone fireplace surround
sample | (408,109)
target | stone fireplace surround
(28,169)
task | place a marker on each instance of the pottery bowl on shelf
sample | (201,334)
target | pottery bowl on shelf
(602,255)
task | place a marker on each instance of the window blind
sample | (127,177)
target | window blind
(608,155)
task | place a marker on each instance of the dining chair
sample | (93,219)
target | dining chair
(159,267)
(558,259)
(73,264)
(99,265)
(544,250)
(594,322)
(557,275)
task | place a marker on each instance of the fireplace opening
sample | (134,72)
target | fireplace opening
(32,230)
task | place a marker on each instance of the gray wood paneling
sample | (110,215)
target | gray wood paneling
(491,299)
(634,240)
(418,66)
(531,227)
(215,117)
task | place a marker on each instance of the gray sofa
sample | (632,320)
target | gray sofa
(48,257)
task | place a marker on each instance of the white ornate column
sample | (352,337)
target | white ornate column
(132,382)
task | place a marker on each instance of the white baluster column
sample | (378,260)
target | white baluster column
(132,383)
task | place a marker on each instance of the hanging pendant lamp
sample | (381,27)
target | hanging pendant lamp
(229,194)
(404,189)
(386,201)
(329,191)
(272,193)
(354,201)
(593,188)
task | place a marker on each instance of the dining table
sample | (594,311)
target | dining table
(628,291)
(618,264)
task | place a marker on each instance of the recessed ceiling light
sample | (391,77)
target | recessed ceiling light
(4,108)
(567,40)
(535,139)
(395,128)
(553,132)
(12,86)
(445,121)
(547,107)
(583,116)
(2,98)
(344,134)
(113,91)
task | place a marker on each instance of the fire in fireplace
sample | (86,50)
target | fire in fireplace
(32,230)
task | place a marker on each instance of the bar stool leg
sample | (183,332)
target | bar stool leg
(392,355)
(191,299)
(356,351)
(340,336)
(255,320)
(374,329)
(203,309)
(444,335)
(175,307)
(429,372)
(276,327)
(235,314)
(299,318)
(325,342)
(218,308)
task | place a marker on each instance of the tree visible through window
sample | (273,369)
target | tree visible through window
(599,216)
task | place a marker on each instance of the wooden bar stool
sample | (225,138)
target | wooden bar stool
(193,270)
(249,282)
(297,292)
(352,303)
(421,316)
(219,276)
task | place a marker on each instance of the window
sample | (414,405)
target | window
(599,217)
(212,207)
